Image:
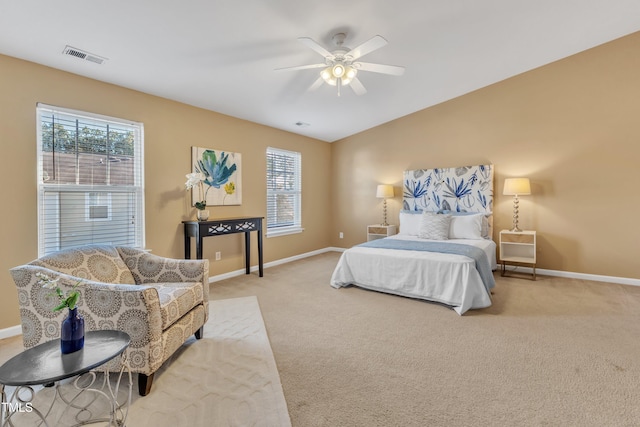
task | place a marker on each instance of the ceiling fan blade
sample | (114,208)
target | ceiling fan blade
(394,70)
(375,42)
(315,84)
(357,86)
(315,46)
(301,67)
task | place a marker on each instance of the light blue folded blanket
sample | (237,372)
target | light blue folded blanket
(475,253)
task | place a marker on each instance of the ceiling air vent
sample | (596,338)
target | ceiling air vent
(81,54)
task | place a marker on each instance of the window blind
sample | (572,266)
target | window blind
(284,191)
(90,180)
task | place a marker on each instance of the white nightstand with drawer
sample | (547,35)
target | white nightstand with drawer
(518,248)
(380,231)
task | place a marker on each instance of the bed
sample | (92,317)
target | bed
(443,252)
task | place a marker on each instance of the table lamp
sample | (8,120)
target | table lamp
(384,192)
(516,187)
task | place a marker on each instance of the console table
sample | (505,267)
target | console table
(219,227)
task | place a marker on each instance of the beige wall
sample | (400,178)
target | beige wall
(572,127)
(171,129)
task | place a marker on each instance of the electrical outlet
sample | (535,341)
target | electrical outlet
(341,235)
(218,256)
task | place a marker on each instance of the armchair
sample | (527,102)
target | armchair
(160,302)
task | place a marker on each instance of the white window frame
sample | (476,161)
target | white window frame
(51,222)
(275,229)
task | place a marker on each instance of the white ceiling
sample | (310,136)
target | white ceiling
(220,54)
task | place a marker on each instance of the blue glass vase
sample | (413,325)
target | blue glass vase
(72,332)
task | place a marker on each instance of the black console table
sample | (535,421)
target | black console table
(219,227)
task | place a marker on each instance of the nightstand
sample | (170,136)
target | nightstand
(379,231)
(519,248)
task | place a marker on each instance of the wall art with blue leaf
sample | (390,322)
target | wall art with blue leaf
(223,175)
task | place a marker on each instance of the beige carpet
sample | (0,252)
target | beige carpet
(554,352)
(228,378)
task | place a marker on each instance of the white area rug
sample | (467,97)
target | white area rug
(228,378)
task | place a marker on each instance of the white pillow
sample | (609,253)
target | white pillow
(487,221)
(434,226)
(487,226)
(410,223)
(466,227)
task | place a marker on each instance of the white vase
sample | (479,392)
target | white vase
(202,214)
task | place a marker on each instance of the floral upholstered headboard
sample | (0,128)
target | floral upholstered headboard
(462,189)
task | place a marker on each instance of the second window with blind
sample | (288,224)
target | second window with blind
(284,192)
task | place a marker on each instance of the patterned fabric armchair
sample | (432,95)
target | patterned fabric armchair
(160,302)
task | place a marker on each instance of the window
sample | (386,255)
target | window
(90,180)
(284,192)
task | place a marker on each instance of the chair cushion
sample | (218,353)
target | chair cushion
(99,263)
(177,299)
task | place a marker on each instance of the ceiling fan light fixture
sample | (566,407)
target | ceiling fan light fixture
(349,75)
(344,73)
(338,71)
(327,76)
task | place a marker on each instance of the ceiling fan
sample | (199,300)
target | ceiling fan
(341,67)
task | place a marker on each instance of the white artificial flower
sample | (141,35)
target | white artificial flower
(194,179)
(52,284)
(46,282)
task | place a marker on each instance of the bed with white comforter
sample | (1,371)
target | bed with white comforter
(444,251)
(450,279)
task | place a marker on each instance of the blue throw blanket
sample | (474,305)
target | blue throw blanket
(475,253)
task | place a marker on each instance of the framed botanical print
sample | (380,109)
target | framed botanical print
(221,177)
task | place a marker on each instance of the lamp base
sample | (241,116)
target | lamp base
(515,228)
(384,214)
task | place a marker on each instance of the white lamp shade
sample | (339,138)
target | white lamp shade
(384,191)
(517,187)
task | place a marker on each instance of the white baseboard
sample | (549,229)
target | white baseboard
(582,276)
(11,331)
(254,268)
(334,249)
(17,330)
